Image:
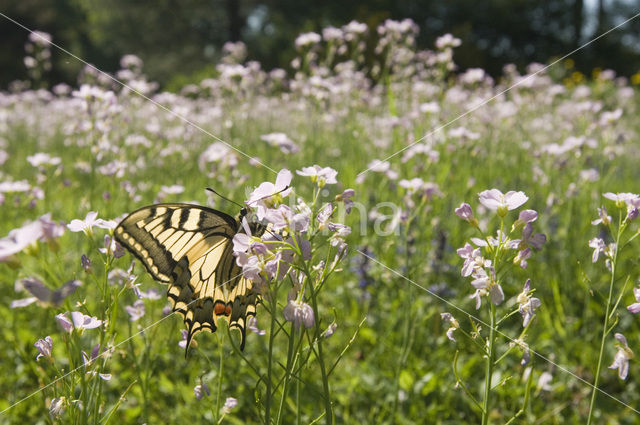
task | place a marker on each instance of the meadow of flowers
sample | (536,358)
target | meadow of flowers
(444,247)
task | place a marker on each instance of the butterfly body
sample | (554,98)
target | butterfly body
(190,247)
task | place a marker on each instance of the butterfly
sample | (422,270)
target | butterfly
(190,247)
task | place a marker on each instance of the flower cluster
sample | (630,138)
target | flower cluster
(283,245)
(627,205)
(481,268)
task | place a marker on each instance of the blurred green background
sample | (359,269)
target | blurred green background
(180,40)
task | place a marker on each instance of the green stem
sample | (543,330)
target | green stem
(525,403)
(486,403)
(461,383)
(221,355)
(272,333)
(319,356)
(287,373)
(605,330)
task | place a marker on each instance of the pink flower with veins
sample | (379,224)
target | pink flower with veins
(90,220)
(495,200)
(320,175)
(78,321)
(268,192)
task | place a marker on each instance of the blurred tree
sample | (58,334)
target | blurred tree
(61,18)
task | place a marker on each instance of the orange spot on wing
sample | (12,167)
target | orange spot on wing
(222,309)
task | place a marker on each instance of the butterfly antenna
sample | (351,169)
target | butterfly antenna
(225,198)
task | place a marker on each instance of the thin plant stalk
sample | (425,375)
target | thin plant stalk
(605,329)
(486,402)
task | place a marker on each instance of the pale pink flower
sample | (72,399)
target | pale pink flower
(604,218)
(90,220)
(320,175)
(635,307)
(78,321)
(527,304)
(44,347)
(495,200)
(623,355)
(465,212)
(448,318)
(598,246)
(267,192)
(201,390)
(229,404)
(281,140)
(299,313)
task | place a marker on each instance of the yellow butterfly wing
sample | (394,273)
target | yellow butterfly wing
(190,248)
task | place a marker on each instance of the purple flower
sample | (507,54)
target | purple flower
(339,229)
(229,404)
(274,266)
(56,408)
(269,193)
(183,342)
(51,230)
(284,218)
(87,360)
(151,294)
(598,246)
(281,140)
(522,257)
(78,321)
(40,159)
(525,217)
(604,218)
(43,294)
(323,215)
(319,175)
(472,259)
(19,239)
(465,212)
(530,239)
(307,39)
(251,266)
(252,325)
(328,333)
(136,311)
(299,313)
(346,198)
(412,186)
(86,263)
(246,242)
(495,200)
(112,247)
(44,347)
(623,199)
(623,355)
(527,304)
(485,284)
(200,390)
(635,307)
(448,318)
